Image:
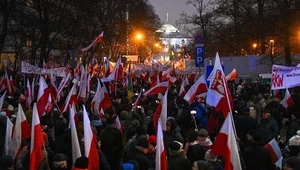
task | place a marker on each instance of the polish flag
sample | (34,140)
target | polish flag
(2,100)
(275,152)
(71,98)
(105,101)
(107,67)
(117,124)
(101,113)
(94,102)
(159,88)
(164,111)
(165,74)
(12,84)
(28,95)
(8,134)
(218,94)
(116,74)
(97,40)
(226,146)
(22,98)
(62,85)
(32,89)
(198,87)
(53,88)
(76,153)
(90,148)
(138,99)
(88,86)
(277,93)
(21,132)
(43,95)
(83,83)
(156,115)
(37,141)
(231,76)
(287,101)
(7,84)
(161,157)
(182,89)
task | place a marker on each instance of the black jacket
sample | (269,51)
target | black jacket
(292,129)
(244,123)
(268,129)
(111,142)
(178,161)
(195,153)
(257,157)
(141,158)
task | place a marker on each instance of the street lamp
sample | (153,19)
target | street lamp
(254,45)
(139,36)
(272,42)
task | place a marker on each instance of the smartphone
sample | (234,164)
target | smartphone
(193,112)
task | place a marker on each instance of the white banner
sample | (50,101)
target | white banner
(285,77)
(30,69)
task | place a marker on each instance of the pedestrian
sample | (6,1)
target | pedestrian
(177,159)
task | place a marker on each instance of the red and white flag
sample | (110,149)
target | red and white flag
(76,153)
(71,98)
(218,94)
(116,74)
(226,146)
(53,88)
(22,98)
(138,99)
(90,147)
(8,134)
(12,85)
(101,113)
(62,84)
(277,93)
(37,141)
(231,76)
(107,67)
(83,83)
(117,123)
(164,111)
(32,89)
(21,133)
(161,157)
(105,101)
(7,84)
(287,101)
(159,88)
(184,83)
(198,87)
(28,95)
(43,95)
(275,152)
(2,100)
(95,101)
(97,40)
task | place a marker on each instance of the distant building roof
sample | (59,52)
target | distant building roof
(167,28)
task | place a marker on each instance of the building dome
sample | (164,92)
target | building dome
(168,28)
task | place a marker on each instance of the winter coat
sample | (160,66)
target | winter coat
(292,129)
(178,161)
(268,129)
(111,142)
(257,157)
(195,153)
(244,123)
(201,115)
(141,158)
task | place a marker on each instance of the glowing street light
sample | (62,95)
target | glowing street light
(139,36)
(156,45)
(254,45)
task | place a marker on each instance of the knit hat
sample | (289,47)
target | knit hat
(175,146)
(6,162)
(203,133)
(293,162)
(142,143)
(257,137)
(294,141)
(192,136)
(60,157)
(82,162)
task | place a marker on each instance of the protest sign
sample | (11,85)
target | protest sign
(285,77)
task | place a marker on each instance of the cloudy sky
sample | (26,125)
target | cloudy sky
(173,7)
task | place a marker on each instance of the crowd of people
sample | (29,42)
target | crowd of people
(258,116)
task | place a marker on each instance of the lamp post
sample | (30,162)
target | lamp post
(138,37)
(254,45)
(272,42)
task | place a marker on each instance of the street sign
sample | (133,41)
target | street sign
(199,55)
(198,39)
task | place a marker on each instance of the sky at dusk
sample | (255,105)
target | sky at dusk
(173,7)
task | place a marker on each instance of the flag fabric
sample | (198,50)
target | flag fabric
(43,95)
(71,98)
(37,141)
(83,83)
(62,85)
(277,93)
(226,145)
(275,153)
(116,74)
(156,115)
(164,111)
(76,153)
(117,124)
(2,100)
(101,113)
(21,132)
(22,98)
(7,84)
(287,101)
(231,76)
(12,85)
(159,88)
(95,100)
(53,88)
(138,99)
(198,87)
(161,157)
(107,67)
(32,89)
(90,148)
(28,95)
(182,91)
(105,101)
(97,40)
(8,134)
(218,94)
